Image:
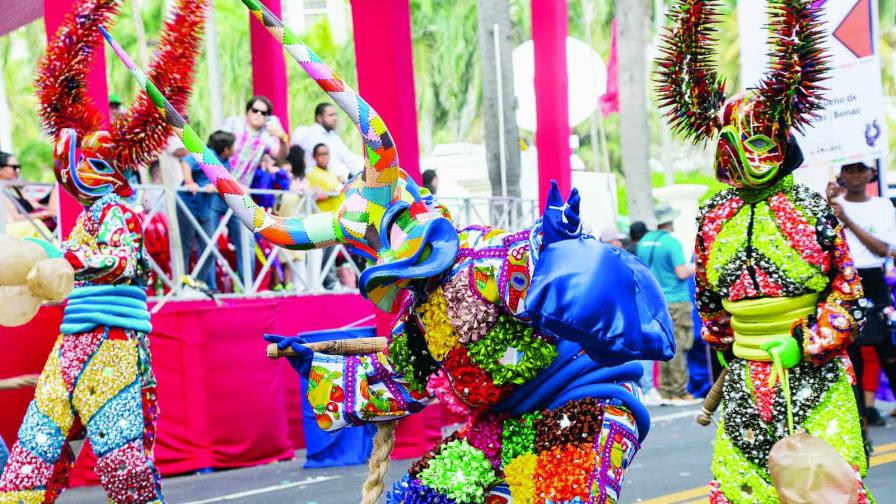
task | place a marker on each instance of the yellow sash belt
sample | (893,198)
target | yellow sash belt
(756,321)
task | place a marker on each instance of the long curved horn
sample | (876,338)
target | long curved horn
(314,231)
(141,133)
(381,168)
(61,83)
(686,82)
(790,91)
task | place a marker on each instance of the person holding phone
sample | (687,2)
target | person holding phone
(870,224)
(256,133)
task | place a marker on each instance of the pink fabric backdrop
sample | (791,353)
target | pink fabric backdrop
(549,28)
(385,63)
(268,65)
(223,403)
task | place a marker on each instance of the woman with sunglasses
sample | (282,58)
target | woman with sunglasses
(18,208)
(257,132)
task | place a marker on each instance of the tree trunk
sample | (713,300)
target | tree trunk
(633,19)
(491,12)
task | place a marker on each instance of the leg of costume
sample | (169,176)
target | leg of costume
(579,450)
(754,418)
(102,380)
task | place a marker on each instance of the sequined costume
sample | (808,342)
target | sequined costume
(530,332)
(773,268)
(98,377)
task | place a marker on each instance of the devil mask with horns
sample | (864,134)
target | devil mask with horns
(754,142)
(90,161)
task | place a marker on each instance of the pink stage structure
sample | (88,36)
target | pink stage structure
(223,404)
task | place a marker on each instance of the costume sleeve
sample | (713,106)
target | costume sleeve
(115,254)
(355,389)
(716,321)
(839,315)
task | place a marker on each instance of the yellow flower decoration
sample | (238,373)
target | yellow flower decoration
(518,474)
(440,335)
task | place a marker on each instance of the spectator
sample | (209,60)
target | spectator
(870,224)
(198,200)
(301,269)
(431,181)
(323,180)
(115,108)
(257,132)
(269,176)
(612,237)
(635,232)
(23,214)
(222,144)
(343,163)
(664,255)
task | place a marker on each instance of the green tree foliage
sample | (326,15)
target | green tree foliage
(446,66)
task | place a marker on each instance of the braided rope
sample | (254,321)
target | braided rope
(379,462)
(17,382)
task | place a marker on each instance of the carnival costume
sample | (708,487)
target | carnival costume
(98,377)
(775,280)
(528,332)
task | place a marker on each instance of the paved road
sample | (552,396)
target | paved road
(673,467)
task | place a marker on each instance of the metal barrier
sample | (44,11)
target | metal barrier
(304,273)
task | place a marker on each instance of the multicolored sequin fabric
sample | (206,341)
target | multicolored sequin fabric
(778,241)
(464,340)
(98,382)
(754,418)
(575,453)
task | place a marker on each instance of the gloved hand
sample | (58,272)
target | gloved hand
(786,349)
(300,362)
(561,221)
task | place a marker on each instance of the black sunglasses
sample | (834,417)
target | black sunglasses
(14,166)
(262,112)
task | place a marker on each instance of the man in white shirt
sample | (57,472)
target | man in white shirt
(870,224)
(343,163)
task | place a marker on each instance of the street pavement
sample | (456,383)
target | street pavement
(671,468)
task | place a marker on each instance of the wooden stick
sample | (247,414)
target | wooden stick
(355,346)
(712,401)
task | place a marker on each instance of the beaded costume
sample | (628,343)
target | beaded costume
(531,333)
(773,267)
(98,378)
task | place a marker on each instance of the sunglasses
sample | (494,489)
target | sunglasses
(262,112)
(14,166)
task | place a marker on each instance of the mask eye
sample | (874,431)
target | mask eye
(759,143)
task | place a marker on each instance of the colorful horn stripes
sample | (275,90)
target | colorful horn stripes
(316,231)
(381,165)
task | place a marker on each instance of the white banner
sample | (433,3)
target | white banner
(852,127)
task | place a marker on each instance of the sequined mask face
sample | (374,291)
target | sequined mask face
(749,153)
(83,170)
